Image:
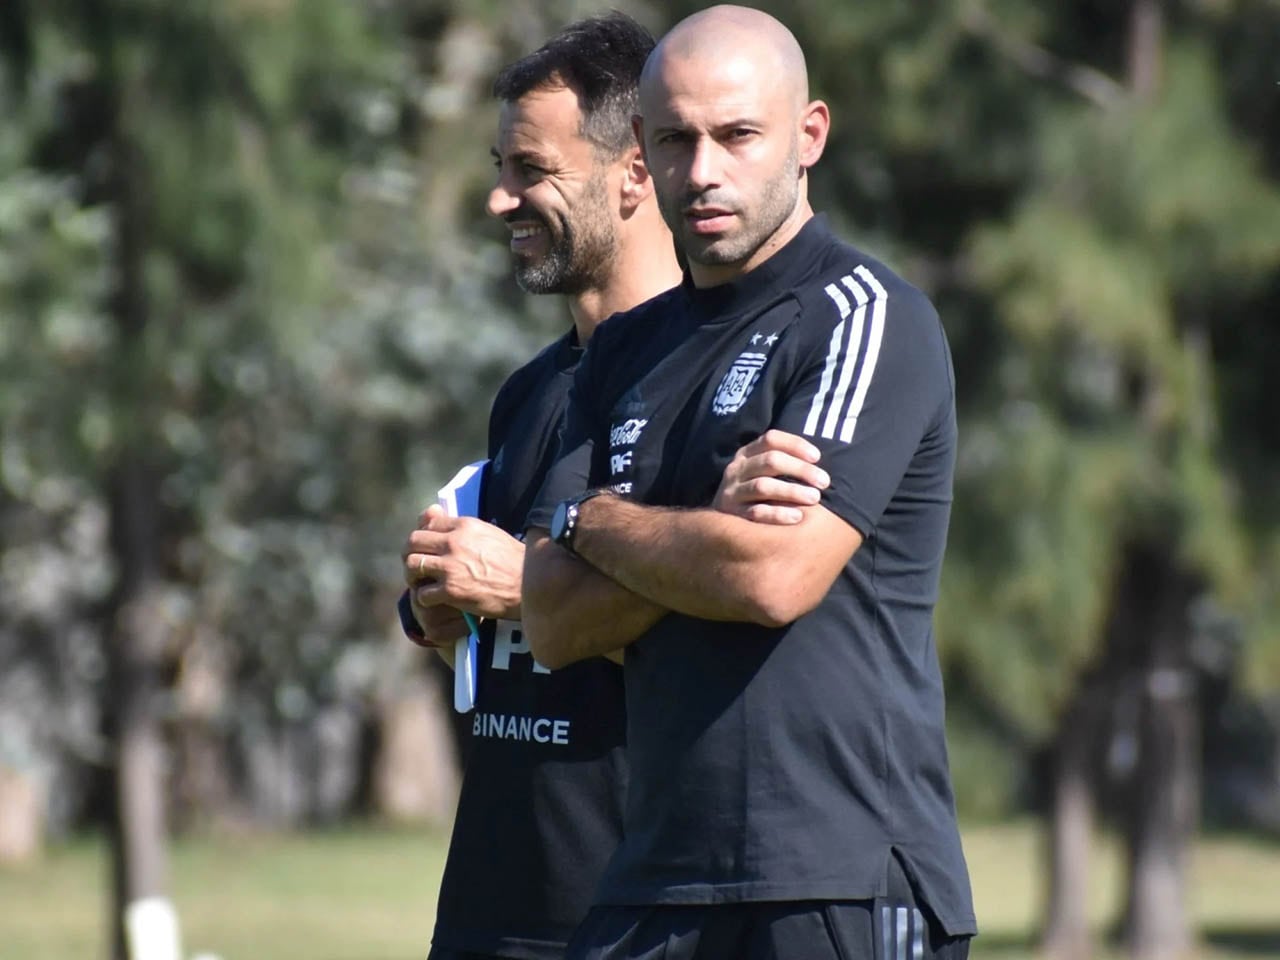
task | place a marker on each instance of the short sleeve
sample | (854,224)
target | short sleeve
(570,473)
(873,391)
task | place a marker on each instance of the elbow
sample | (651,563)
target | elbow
(539,634)
(537,625)
(773,612)
(778,599)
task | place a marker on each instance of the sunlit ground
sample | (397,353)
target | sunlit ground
(369,894)
(1235,892)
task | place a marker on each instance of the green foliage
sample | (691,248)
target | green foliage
(1105,279)
(329,311)
(301,373)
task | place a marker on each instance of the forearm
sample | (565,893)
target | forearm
(572,611)
(705,563)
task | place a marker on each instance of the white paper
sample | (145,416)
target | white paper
(460,497)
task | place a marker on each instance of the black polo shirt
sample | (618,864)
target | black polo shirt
(785,764)
(542,796)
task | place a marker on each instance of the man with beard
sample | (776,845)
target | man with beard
(542,793)
(541,803)
(789,793)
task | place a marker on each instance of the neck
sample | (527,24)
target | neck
(714,274)
(644,266)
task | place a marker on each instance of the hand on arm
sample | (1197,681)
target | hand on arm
(762,577)
(571,611)
(771,479)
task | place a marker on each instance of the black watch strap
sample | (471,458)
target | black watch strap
(570,507)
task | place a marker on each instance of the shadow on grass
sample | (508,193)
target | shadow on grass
(1260,941)
(1244,941)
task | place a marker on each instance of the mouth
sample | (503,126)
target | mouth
(708,220)
(526,235)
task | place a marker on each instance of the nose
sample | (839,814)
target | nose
(502,198)
(704,168)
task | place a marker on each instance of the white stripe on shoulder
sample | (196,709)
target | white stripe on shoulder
(843,354)
(833,355)
(852,346)
(874,340)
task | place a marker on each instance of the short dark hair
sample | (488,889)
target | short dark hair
(599,59)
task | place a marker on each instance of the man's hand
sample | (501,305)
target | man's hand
(753,485)
(464,563)
(441,625)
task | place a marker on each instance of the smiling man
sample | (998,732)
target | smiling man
(789,793)
(541,802)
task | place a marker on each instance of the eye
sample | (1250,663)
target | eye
(741,133)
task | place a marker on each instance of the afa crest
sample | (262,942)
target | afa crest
(738,383)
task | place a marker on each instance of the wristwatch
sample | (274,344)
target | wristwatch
(565,519)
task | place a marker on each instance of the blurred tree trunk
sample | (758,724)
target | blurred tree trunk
(1165,786)
(1146,36)
(137,831)
(1163,818)
(416,774)
(136,629)
(22,813)
(1153,603)
(203,787)
(1066,935)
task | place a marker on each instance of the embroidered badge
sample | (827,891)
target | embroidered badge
(738,383)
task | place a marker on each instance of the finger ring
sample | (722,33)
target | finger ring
(422,562)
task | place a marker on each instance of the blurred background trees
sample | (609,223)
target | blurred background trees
(252,314)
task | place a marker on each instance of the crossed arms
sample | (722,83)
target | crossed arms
(763,552)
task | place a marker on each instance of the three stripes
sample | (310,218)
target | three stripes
(900,928)
(843,354)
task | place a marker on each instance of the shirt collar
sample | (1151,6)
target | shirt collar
(780,272)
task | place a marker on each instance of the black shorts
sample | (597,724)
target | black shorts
(893,927)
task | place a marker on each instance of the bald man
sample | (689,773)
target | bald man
(789,793)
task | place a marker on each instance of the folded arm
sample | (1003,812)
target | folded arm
(572,611)
(710,564)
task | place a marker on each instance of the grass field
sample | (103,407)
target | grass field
(369,894)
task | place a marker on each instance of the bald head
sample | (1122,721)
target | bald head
(752,38)
(728,132)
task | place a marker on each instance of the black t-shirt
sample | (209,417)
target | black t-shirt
(542,797)
(785,764)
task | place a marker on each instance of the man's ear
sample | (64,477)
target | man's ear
(815,124)
(637,128)
(637,184)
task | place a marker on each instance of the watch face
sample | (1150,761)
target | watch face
(558,519)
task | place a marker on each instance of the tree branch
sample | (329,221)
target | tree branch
(1088,82)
